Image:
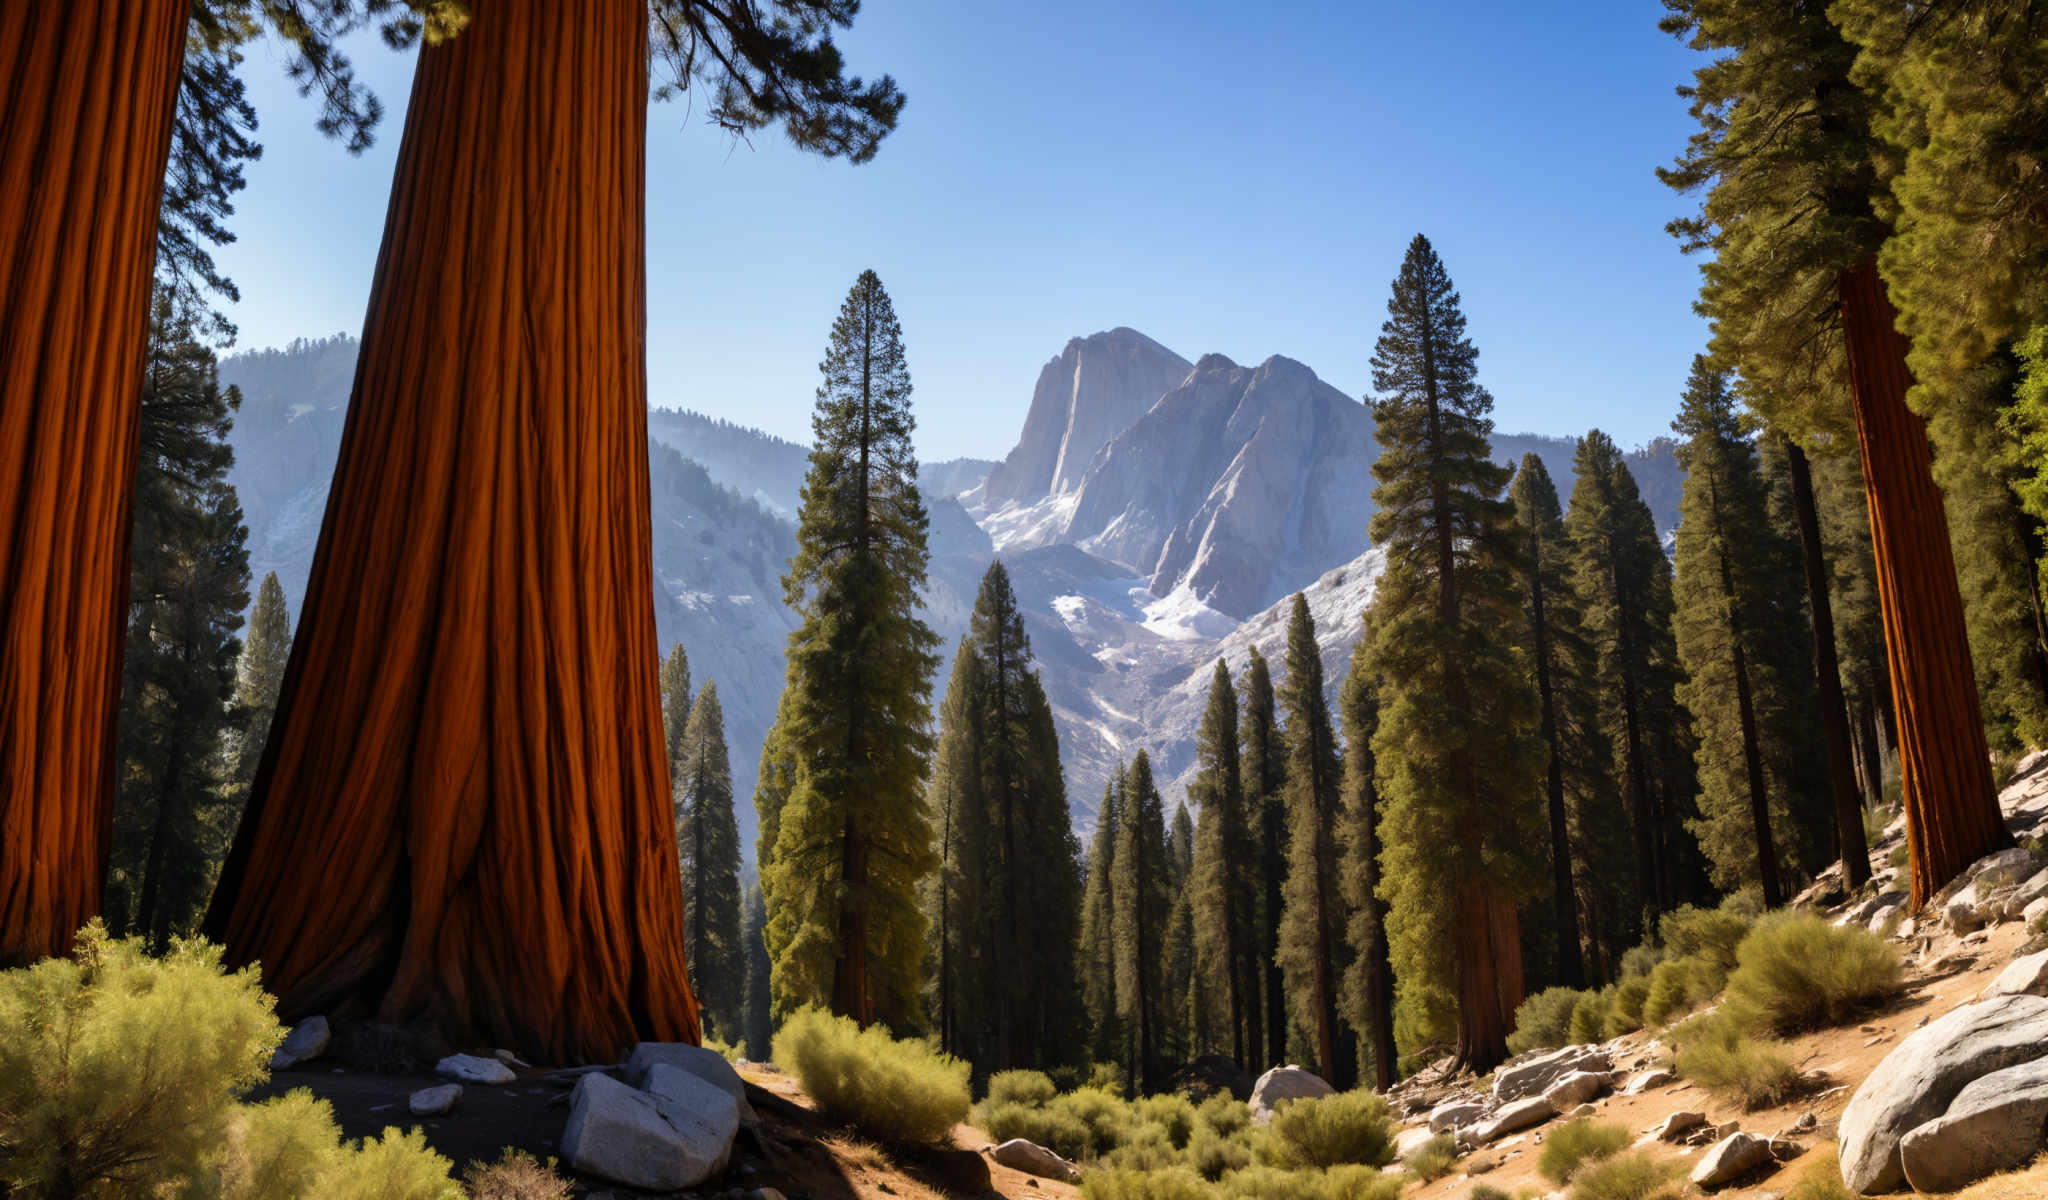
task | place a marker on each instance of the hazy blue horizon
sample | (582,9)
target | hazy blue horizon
(1220,185)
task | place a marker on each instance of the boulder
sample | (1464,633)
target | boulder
(1453,1114)
(2035,911)
(655,1143)
(2026,975)
(433,1101)
(1575,1089)
(2000,867)
(468,1068)
(1409,1140)
(707,1065)
(1033,1159)
(1916,1081)
(1731,1158)
(2034,888)
(1964,911)
(1655,1077)
(1533,1075)
(307,1040)
(1994,1124)
(1520,1115)
(1285,1083)
(1677,1125)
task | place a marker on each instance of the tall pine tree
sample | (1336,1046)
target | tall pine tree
(1264,772)
(1314,921)
(1588,845)
(708,838)
(1222,898)
(952,894)
(853,839)
(1142,902)
(760,1026)
(675,701)
(259,677)
(1742,637)
(1367,997)
(1095,958)
(1455,748)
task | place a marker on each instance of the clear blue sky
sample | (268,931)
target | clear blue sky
(1233,177)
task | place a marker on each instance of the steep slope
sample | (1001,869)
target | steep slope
(1094,390)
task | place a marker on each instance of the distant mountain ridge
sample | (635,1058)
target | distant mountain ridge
(1175,539)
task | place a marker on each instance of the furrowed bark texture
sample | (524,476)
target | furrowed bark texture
(462,819)
(87,93)
(1952,815)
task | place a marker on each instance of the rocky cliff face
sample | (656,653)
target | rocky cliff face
(1240,485)
(1089,394)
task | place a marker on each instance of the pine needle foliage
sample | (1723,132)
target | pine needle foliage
(1141,905)
(1223,885)
(708,839)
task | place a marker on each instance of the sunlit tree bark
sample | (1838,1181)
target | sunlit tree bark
(87,95)
(462,817)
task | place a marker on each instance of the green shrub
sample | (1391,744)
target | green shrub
(1901,854)
(118,1066)
(1822,1179)
(1708,934)
(1625,1012)
(1057,1129)
(895,1091)
(1179,1183)
(1677,986)
(1143,1147)
(1716,1053)
(1225,1114)
(391,1166)
(1107,1076)
(1349,1127)
(1433,1159)
(1213,1153)
(1099,1112)
(1795,971)
(516,1175)
(1029,1088)
(1171,1112)
(1589,1018)
(1338,1183)
(724,1051)
(1638,961)
(1486,1191)
(1577,1144)
(1544,1020)
(1632,1176)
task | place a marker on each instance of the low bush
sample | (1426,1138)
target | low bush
(1144,1147)
(1589,1018)
(1057,1129)
(1433,1159)
(1030,1088)
(1638,961)
(1178,1183)
(1677,986)
(1575,1145)
(1625,1012)
(1716,1052)
(1795,971)
(1225,1114)
(1707,934)
(516,1175)
(1544,1020)
(1486,1191)
(1170,1112)
(392,1166)
(1632,1176)
(895,1091)
(1351,1182)
(1100,1113)
(1821,1180)
(1901,854)
(1212,1153)
(1349,1127)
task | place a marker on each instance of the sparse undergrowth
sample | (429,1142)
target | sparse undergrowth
(1433,1159)
(1631,1176)
(1575,1145)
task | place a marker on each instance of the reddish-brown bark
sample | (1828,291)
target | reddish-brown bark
(1952,815)
(461,819)
(87,93)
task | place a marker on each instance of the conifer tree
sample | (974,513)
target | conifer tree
(773,782)
(1739,630)
(1264,772)
(675,702)
(1792,180)
(1367,997)
(1142,904)
(1183,1031)
(953,893)
(708,837)
(1791,475)
(1222,898)
(1314,921)
(1623,581)
(1584,800)
(853,839)
(1859,626)
(1095,959)
(258,677)
(189,581)
(1180,847)
(760,1028)
(1455,750)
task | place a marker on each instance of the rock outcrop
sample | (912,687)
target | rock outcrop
(707,1065)
(1018,1154)
(308,1039)
(1532,1074)
(1994,1124)
(674,1135)
(1282,1084)
(1730,1159)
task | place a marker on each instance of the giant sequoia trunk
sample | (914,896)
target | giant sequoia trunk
(461,819)
(1952,815)
(87,93)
